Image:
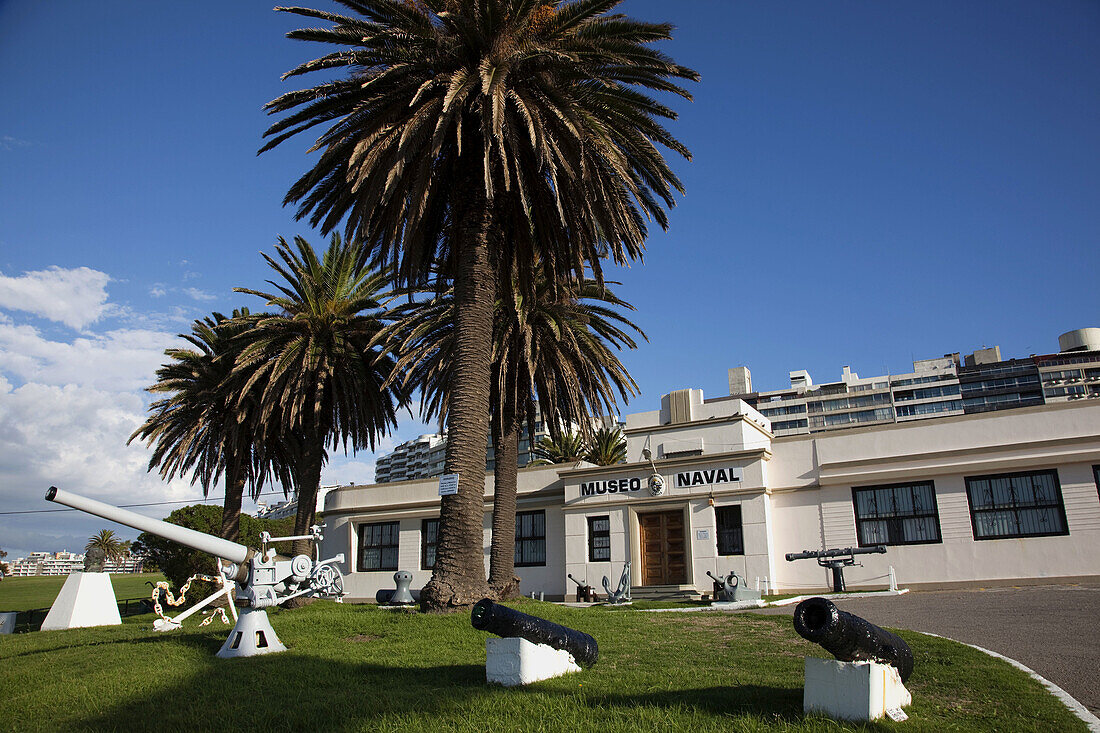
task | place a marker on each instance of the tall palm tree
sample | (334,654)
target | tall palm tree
(606,447)
(556,348)
(318,378)
(108,542)
(206,425)
(456,116)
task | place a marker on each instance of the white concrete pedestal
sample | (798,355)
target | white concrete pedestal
(512,662)
(251,636)
(86,599)
(7,622)
(852,690)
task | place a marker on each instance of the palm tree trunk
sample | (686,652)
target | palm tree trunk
(502,551)
(234,493)
(458,580)
(308,475)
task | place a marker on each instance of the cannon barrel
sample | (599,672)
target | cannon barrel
(201,541)
(850,638)
(508,622)
(806,554)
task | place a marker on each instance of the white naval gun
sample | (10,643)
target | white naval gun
(263,578)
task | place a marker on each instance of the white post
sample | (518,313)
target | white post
(540,595)
(757,582)
(893,579)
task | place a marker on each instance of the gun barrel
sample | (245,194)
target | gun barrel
(508,622)
(216,546)
(850,638)
(806,554)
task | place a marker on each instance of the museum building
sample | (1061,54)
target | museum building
(992,497)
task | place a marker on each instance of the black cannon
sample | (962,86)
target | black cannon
(509,623)
(585,593)
(836,560)
(850,638)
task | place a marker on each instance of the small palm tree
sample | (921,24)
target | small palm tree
(561,448)
(606,447)
(107,542)
(556,346)
(319,379)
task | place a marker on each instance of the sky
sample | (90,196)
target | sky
(871,183)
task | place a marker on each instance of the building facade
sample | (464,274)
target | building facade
(992,496)
(64,563)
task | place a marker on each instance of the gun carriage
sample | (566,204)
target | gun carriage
(262,578)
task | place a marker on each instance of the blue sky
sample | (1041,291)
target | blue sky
(872,183)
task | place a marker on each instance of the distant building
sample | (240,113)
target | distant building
(65,562)
(980,382)
(285,509)
(425,455)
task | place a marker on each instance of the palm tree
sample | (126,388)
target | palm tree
(106,541)
(561,448)
(553,347)
(606,447)
(455,118)
(206,426)
(318,378)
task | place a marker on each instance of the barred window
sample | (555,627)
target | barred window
(599,539)
(1025,504)
(429,536)
(897,514)
(530,538)
(378,546)
(731,538)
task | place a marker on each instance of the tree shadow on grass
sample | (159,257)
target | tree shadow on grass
(292,692)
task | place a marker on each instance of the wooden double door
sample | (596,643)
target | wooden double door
(664,551)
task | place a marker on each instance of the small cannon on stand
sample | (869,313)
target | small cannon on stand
(585,593)
(263,578)
(850,638)
(531,648)
(868,679)
(836,560)
(733,588)
(622,593)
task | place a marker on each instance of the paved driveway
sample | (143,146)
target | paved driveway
(1054,629)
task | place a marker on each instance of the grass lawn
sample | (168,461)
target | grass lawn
(360,668)
(39,591)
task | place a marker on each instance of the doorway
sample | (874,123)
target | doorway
(664,554)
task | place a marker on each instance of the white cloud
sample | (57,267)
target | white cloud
(344,471)
(7,142)
(75,297)
(158,291)
(121,359)
(197,294)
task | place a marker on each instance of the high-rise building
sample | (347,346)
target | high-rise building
(980,382)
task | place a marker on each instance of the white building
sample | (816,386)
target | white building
(63,563)
(992,497)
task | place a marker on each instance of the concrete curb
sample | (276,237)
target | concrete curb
(749,605)
(1068,700)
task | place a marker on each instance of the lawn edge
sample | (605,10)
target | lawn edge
(1075,706)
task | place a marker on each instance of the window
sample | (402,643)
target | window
(929,408)
(898,514)
(1096,477)
(1027,504)
(599,539)
(530,538)
(429,536)
(731,539)
(378,546)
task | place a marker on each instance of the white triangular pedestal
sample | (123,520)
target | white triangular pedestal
(251,636)
(86,599)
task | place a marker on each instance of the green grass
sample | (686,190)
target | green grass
(26,593)
(360,668)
